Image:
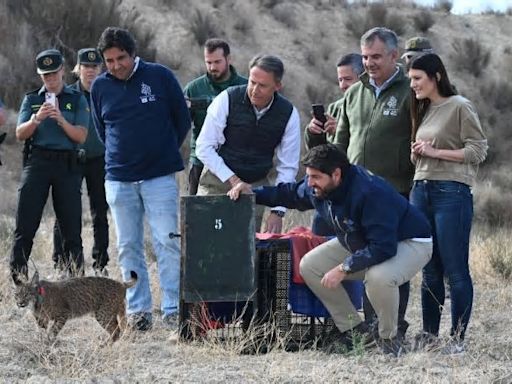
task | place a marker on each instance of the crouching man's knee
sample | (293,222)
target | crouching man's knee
(381,277)
(308,269)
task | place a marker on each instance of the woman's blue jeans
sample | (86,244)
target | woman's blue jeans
(449,208)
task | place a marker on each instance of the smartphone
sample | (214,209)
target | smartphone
(319,112)
(50,98)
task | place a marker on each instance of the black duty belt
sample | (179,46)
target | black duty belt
(53,154)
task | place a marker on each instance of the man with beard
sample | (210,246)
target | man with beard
(244,128)
(374,127)
(200,92)
(380,238)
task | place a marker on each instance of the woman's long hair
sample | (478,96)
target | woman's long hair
(431,64)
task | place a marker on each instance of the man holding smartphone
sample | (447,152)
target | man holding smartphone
(348,69)
(200,92)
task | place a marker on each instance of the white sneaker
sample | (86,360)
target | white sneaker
(454,348)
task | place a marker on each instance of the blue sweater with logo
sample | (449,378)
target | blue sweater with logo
(368,216)
(142,120)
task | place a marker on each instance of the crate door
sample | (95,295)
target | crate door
(218,248)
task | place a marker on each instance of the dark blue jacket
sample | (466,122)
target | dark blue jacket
(367,214)
(142,121)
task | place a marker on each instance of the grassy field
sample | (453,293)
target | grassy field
(157,356)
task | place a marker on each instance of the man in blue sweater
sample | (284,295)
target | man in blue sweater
(140,113)
(380,238)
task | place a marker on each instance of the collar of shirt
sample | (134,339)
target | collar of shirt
(261,112)
(65,89)
(135,66)
(384,85)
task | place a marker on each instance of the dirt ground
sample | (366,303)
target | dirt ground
(157,357)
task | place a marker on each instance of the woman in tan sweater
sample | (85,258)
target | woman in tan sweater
(447,145)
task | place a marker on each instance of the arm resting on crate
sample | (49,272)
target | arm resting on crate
(289,195)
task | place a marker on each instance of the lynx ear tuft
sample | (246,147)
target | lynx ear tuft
(16,278)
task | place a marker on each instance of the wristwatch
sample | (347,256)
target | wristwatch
(344,268)
(277,213)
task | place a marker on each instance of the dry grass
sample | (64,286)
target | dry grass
(156,356)
(25,356)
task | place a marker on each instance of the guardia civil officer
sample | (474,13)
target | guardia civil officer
(88,67)
(52,121)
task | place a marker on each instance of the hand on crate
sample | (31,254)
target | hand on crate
(274,224)
(240,187)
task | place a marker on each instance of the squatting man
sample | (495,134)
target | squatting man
(380,238)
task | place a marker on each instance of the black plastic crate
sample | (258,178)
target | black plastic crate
(267,316)
(273,260)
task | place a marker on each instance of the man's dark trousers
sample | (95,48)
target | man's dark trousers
(93,171)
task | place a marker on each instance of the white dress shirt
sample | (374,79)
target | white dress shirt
(212,138)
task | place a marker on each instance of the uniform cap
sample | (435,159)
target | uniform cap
(417,45)
(89,56)
(49,61)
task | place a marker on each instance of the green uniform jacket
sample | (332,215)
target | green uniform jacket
(201,92)
(93,146)
(376,132)
(313,139)
(49,134)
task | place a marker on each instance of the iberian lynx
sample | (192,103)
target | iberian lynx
(60,301)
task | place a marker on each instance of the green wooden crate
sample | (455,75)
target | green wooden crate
(218,249)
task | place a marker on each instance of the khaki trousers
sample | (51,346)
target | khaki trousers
(209,184)
(381,282)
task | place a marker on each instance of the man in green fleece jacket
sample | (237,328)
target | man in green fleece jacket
(200,92)
(375,125)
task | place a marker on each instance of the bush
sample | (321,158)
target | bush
(31,27)
(423,20)
(498,94)
(494,243)
(203,27)
(285,14)
(360,20)
(493,204)
(444,5)
(470,56)
(396,23)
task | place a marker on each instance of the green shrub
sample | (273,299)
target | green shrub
(203,27)
(360,20)
(498,94)
(36,25)
(493,203)
(494,243)
(444,5)
(423,20)
(470,55)
(285,14)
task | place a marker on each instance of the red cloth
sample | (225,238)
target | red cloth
(302,241)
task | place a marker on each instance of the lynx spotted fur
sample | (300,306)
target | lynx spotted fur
(60,301)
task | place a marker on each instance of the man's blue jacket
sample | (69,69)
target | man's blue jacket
(369,217)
